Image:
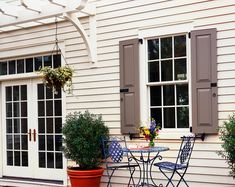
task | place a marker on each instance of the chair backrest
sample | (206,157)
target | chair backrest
(186,149)
(112,148)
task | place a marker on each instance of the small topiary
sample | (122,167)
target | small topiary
(228,138)
(82,139)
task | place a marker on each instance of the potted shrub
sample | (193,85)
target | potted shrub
(228,137)
(82,144)
(57,78)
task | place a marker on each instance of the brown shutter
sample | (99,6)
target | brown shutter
(204,81)
(129,85)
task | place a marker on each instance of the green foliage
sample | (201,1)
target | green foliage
(82,138)
(228,137)
(57,78)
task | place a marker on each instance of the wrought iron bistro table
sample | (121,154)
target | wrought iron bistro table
(146,161)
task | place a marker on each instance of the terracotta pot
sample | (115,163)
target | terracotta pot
(85,178)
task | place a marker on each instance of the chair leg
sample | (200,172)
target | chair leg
(169,178)
(131,177)
(182,178)
(110,176)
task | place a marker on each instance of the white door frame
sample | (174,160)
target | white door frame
(41,173)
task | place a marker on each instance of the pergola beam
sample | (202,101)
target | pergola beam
(18,15)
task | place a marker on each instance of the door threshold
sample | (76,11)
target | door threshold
(28,182)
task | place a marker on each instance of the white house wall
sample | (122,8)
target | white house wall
(96,88)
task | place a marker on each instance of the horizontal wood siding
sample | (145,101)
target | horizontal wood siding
(97,88)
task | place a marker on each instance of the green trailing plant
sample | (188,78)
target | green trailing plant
(228,137)
(82,139)
(57,78)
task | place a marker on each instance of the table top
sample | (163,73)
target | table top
(146,149)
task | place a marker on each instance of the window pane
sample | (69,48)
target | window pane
(24,126)
(24,144)
(42,160)
(57,60)
(155,95)
(58,94)
(167,70)
(16,142)
(37,63)
(180,46)
(3,68)
(49,108)
(41,142)
(182,117)
(29,65)
(153,71)
(24,109)
(9,109)
(41,108)
(58,125)
(50,143)
(47,61)
(9,125)
(58,107)
(166,47)
(180,69)
(168,95)
(41,125)
(24,158)
(9,142)
(153,49)
(20,66)
(12,67)
(156,113)
(16,107)
(9,93)
(49,125)
(50,160)
(59,159)
(169,117)
(17,158)
(41,91)
(182,94)
(16,93)
(49,93)
(24,92)
(16,125)
(58,142)
(10,158)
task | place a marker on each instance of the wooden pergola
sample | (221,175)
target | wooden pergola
(21,14)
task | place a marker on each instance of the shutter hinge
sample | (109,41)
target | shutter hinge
(141,41)
(189,34)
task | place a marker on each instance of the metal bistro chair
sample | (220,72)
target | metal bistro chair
(113,154)
(182,161)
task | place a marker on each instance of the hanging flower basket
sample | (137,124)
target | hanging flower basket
(57,78)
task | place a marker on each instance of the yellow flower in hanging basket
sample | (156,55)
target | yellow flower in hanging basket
(57,78)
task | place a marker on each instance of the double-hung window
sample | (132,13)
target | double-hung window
(168,84)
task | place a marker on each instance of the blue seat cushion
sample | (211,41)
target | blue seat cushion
(170,165)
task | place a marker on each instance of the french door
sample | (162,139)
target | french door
(32,131)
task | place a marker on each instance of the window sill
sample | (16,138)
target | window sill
(174,133)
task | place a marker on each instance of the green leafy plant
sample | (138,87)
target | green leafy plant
(82,139)
(57,78)
(228,137)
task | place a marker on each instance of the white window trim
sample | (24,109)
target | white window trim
(154,32)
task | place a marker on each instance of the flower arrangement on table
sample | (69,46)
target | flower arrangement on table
(150,132)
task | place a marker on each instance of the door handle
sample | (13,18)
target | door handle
(34,135)
(30,135)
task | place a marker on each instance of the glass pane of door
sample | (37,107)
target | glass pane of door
(16,125)
(49,128)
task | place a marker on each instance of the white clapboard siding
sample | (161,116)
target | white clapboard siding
(97,89)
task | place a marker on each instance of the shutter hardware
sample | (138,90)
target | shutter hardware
(201,136)
(124,90)
(189,34)
(141,40)
(132,136)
